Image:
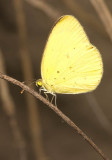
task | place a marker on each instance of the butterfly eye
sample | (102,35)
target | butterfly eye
(39,83)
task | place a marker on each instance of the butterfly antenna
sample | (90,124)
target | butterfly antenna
(34,80)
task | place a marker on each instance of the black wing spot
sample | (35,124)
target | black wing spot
(67,56)
(70,67)
(55,78)
(58,71)
(91,47)
(85,78)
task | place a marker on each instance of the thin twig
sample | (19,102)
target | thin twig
(57,111)
(9,108)
(104,15)
(34,120)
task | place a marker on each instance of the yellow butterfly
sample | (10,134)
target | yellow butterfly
(70,63)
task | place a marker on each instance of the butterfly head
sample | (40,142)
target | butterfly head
(44,86)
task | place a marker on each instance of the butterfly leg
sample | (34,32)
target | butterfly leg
(40,89)
(55,99)
(54,96)
(46,95)
(45,92)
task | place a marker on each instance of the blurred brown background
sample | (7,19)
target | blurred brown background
(29,130)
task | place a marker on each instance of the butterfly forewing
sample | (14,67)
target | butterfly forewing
(70,63)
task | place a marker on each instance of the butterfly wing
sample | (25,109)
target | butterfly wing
(70,63)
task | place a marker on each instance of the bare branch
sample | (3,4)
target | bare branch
(57,111)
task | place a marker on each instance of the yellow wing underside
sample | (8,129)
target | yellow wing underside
(70,63)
